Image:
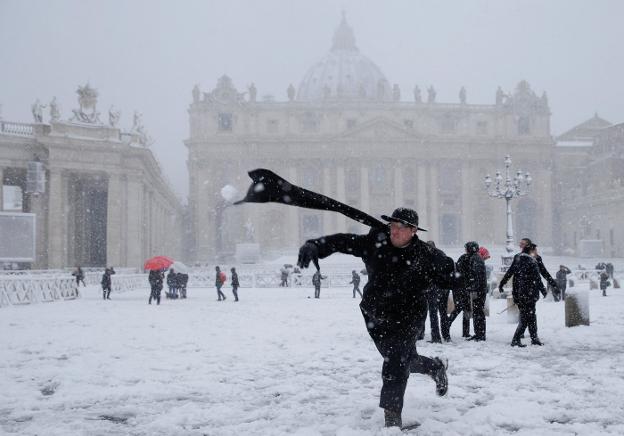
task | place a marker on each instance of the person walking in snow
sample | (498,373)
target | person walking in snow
(284,277)
(526,287)
(355,281)
(235,283)
(316,282)
(79,275)
(182,282)
(219,281)
(107,283)
(561,277)
(604,282)
(155,279)
(461,296)
(400,268)
(471,269)
(437,301)
(172,284)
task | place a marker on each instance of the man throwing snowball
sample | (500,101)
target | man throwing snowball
(400,269)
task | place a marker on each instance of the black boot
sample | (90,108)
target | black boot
(536,341)
(392,418)
(517,343)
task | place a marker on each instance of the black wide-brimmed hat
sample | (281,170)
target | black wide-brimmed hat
(404,215)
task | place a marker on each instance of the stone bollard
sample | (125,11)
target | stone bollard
(576,308)
(513,314)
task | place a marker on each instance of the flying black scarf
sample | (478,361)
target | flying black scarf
(268,187)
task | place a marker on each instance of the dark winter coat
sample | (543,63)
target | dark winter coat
(397,277)
(155,280)
(172,280)
(562,279)
(610,269)
(527,282)
(182,280)
(106,278)
(316,279)
(235,283)
(471,271)
(355,280)
(604,280)
(79,274)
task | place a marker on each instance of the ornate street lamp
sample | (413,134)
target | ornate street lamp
(508,188)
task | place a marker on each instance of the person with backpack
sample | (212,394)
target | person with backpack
(219,281)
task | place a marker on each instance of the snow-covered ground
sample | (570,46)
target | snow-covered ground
(278,363)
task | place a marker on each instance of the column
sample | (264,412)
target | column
(292,213)
(467,205)
(113,221)
(398,185)
(421,199)
(37,206)
(56,220)
(545,227)
(1,189)
(364,192)
(134,222)
(341,223)
(327,217)
(364,189)
(435,204)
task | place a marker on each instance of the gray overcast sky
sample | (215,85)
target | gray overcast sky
(148,54)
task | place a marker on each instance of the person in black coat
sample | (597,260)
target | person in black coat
(172,283)
(182,282)
(106,283)
(235,283)
(155,279)
(355,281)
(79,274)
(610,269)
(561,277)
(437,302)
(526,287)
(474,279)
(461,296)
(400,269)
(604,282)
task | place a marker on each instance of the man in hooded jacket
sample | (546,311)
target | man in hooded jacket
(400,269)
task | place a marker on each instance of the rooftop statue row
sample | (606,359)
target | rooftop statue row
(226,93)
(87,114)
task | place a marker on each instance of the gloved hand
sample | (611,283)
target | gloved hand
(501,290)
(308,252)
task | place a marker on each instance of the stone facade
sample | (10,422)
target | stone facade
(590,174)
(362,144)
(105,201)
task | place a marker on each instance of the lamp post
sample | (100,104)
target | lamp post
(508,188)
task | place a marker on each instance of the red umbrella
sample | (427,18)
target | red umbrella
(158,262)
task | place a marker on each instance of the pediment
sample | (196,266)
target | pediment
(378,128)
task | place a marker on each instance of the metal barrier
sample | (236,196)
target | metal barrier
(23,289)
(266,279)
(17,290)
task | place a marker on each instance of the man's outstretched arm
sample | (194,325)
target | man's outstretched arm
(324,246)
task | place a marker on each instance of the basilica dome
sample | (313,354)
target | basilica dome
(344,73)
